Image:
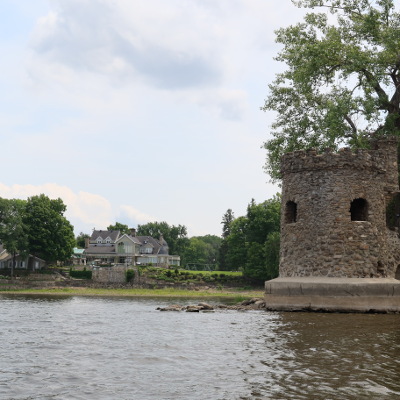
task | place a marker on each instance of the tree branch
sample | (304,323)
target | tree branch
(377,87)
(352,125)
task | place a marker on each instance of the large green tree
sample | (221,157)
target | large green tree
(118,226)
(226,222)
(81,240)
(13,233)
(202,250)
(342,82)
(253,241)
(175,236)
(50,235)
(262,238)
(237,244)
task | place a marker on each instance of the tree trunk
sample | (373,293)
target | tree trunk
(13,266)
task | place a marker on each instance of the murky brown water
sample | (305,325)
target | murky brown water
(97,348)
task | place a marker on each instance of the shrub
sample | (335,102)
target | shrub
(80,274)
(130,275)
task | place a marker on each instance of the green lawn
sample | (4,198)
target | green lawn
(168,292)
(226,273)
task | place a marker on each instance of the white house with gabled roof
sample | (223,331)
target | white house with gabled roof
(112,247)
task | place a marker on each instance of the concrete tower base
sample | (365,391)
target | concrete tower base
(379,295)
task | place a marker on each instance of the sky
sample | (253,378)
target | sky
(139,110)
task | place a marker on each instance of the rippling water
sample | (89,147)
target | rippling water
(98,348)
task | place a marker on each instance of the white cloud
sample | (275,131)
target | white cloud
(114,37)
(135,216)
(107,97)
(84,210)
(204,49)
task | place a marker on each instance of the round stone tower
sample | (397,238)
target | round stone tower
(333,221)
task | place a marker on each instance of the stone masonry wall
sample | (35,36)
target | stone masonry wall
(318,235)
(115,274)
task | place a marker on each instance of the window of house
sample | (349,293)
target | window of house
(359,210)
(146,250)
(291,212)
(99,240)
(108,240)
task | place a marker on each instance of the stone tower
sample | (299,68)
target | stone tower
(333,221)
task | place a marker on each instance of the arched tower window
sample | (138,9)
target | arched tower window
(359,210)
(397,276)
(290,212)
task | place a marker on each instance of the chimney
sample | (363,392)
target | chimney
(133,232)
(87,242)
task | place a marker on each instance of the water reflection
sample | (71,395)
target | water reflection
(34,298)
(83,348)
(322,356)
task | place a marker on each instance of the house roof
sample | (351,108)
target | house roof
(100,250)
(158,247)
(113,235)
(78,251)
(134,239)
(5,256)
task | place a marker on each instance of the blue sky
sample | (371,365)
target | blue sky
(138,110)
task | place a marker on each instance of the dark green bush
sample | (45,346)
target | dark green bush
(130,275)
(80,274)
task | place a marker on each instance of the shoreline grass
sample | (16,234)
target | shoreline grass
(134,292)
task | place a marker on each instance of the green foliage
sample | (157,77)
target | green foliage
(36,226)
(255,262)
(119,227)
(272,246)
(227,219)
(226,222)
(253,242)
(13,234)
(202,250)
(184,276)
(130,275)
(342,82)
(175,236)
(78,274)
(80,240)
(237,244)
(50,235)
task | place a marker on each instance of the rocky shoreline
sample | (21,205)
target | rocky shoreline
(255,303)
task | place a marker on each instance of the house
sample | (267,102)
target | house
(112,247)
(78,257)
(29,262)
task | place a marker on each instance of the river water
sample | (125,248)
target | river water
(118,348)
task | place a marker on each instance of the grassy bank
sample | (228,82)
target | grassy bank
(167,293)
